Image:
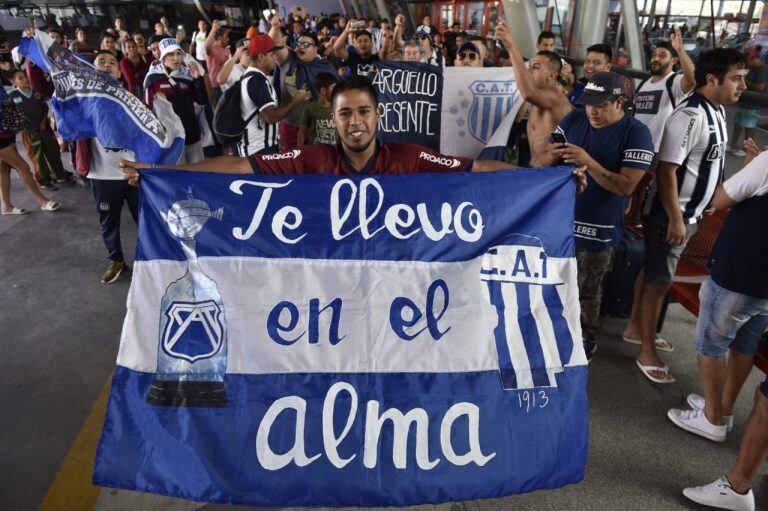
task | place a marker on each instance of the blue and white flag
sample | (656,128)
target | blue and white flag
(453,110)
(89,103)
(363,341)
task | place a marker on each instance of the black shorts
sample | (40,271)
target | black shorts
(6,141)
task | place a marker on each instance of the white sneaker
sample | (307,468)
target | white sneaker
(720,495)
(696,402)
(738,153)
(697,423)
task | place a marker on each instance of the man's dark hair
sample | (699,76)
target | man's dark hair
(384,20)
(356,83)
(154,38)
(463,34)
(717,62)
(325,80)
(545,34)
(55,30)
(14,72)
(555,62)
(601,48)
(103,52)
(311,35)
(361,33)
(108,35)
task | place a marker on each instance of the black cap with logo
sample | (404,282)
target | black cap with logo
(603,86)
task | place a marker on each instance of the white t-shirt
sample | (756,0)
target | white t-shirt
(653,106)
(199,38)
(105,164)
(751,181)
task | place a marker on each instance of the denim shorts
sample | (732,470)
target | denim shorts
(661,258)
(729,320)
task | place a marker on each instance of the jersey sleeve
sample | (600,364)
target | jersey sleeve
(258,91)
(751,181)
(428,160)
(637,153)
(681,132)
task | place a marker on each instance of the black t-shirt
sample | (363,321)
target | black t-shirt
(361,66)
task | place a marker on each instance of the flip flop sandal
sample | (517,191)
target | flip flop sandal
(663,369)
(16,211)
(661,344)
(51,205)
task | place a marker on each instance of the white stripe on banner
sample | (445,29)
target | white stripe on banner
(252,289)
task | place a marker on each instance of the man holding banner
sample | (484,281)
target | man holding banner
(356,117)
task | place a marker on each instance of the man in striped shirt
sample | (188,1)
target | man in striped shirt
(691,161)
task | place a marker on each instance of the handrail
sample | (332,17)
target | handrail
(752,98)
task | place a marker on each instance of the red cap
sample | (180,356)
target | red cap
(261,44)
(753,53)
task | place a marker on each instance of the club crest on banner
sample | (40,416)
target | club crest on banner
(492,100)
(193,331)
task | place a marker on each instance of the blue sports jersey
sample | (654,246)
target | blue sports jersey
(599,218)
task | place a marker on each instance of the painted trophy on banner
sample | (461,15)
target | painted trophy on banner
(192,352)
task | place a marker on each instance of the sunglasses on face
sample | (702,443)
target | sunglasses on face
(304,45)
(470,56)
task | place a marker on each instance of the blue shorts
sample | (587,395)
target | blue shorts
(729,320)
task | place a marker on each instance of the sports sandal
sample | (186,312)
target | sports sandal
(16,211)
(647,373)
(51,205)
(661,344)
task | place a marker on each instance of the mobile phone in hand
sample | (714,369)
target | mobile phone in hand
(558,138)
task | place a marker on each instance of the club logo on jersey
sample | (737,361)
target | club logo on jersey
(193,331)
(290,155)
(492,100)
(716,152)
(451,163)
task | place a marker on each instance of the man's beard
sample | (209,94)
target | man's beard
(658,71)
(361,148)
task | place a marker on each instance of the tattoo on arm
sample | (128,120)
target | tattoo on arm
(610,176)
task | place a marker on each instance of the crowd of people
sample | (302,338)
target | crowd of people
(671,133)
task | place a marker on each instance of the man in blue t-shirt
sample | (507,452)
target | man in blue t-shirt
(616,150)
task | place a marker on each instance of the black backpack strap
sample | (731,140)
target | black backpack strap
(240,84)
(670,83)
(640,86)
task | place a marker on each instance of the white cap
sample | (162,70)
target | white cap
(167,46)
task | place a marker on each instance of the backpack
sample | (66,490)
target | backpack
(670,81)
(228,122)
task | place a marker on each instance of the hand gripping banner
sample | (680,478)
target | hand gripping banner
(359,341)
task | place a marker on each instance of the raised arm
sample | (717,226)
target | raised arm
(226,69)
(542,98)
(211,38)
(276,33)
(340,44)
(686,64)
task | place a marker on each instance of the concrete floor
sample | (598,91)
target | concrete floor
(59,334)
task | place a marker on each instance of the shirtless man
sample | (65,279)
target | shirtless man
(538,84)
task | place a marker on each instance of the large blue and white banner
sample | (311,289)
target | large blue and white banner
(454,110)
(88,103)
(360,341)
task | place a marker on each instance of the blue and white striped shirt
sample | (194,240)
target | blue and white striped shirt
(695,137)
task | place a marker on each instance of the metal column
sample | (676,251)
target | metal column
(523,22)
(633,39)
(381,6)
(588,25)
(750,15)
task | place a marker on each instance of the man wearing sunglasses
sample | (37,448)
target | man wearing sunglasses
(469,55)
(291,66)
(429,54)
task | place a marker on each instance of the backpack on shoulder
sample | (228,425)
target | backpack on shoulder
(228,122)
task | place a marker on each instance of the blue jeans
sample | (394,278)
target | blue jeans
(729,320)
